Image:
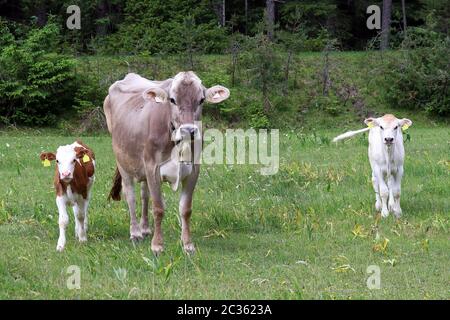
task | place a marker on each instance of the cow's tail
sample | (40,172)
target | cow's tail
(117,186)
(349,134)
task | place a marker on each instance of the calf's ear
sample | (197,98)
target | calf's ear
(80,152)
(371,122)
(217,94)
(405,122)
(47,156)
(157,95)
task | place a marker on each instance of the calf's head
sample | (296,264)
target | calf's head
(390,127)
(185,97)
(66,159)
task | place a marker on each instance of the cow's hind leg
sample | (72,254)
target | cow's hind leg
(376,188)
(128,189)
(384,192)
(145,229)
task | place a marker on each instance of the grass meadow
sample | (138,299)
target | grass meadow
(308,232)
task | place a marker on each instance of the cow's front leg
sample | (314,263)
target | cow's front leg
(79,213)
(384,193)
(128,189)
(154,183)
(145,228)
(185,208)
(376,188)
(63,221)
(395,189)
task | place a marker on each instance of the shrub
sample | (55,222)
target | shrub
(419,79)
(36,84)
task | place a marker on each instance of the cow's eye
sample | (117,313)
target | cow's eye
(57,161)
(74,160)
(381,128)
(396,128)
(172,100)
(202,100)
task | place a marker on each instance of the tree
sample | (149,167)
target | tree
(270,12)
(404,16)
(386,24)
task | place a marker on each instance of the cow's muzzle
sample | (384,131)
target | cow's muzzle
(187,132)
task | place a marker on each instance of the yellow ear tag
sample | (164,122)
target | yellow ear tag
(86,158)
(405,127)
(46,163)
(370,125)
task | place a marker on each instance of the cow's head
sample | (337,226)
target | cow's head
(186,96)
(66,158)
(390,127)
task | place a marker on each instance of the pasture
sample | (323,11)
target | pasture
(308,232)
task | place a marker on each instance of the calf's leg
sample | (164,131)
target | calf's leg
(377,192)
(79,213)
(63,221)
(396,191)
(384,193)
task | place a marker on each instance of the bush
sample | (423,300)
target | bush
(36,85)
(419,79)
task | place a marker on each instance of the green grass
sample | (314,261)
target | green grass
(252,232)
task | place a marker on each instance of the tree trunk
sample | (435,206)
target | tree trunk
(102,11)
(246,16)
(223,13)
(404,16)
(270,11)
(386,24)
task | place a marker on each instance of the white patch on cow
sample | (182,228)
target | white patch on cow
(65,160)
(63,221)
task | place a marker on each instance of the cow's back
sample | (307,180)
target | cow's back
(135,124)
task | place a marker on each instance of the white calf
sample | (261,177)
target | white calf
(386,156)
(74,176)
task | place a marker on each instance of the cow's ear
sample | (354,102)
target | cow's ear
(157,95)
(47,156)
(371,122)
(80,152)
(217,94)
(405,122)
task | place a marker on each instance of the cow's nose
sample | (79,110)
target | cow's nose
(65,174)
(192,130)
(389,140)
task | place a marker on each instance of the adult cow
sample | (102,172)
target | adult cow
(386,156)
(146,120)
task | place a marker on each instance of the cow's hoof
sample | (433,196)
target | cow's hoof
(384,213)
(136,234)
(146,231)
(157,249)
(398,213)
(189,248)
(60,248)
(378,206)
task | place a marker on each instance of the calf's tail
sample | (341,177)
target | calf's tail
(349,134)
(117,186)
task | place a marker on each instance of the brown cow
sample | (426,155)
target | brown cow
(74,176)
(146,120)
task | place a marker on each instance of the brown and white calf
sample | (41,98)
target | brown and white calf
(386,156)
(74,176)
